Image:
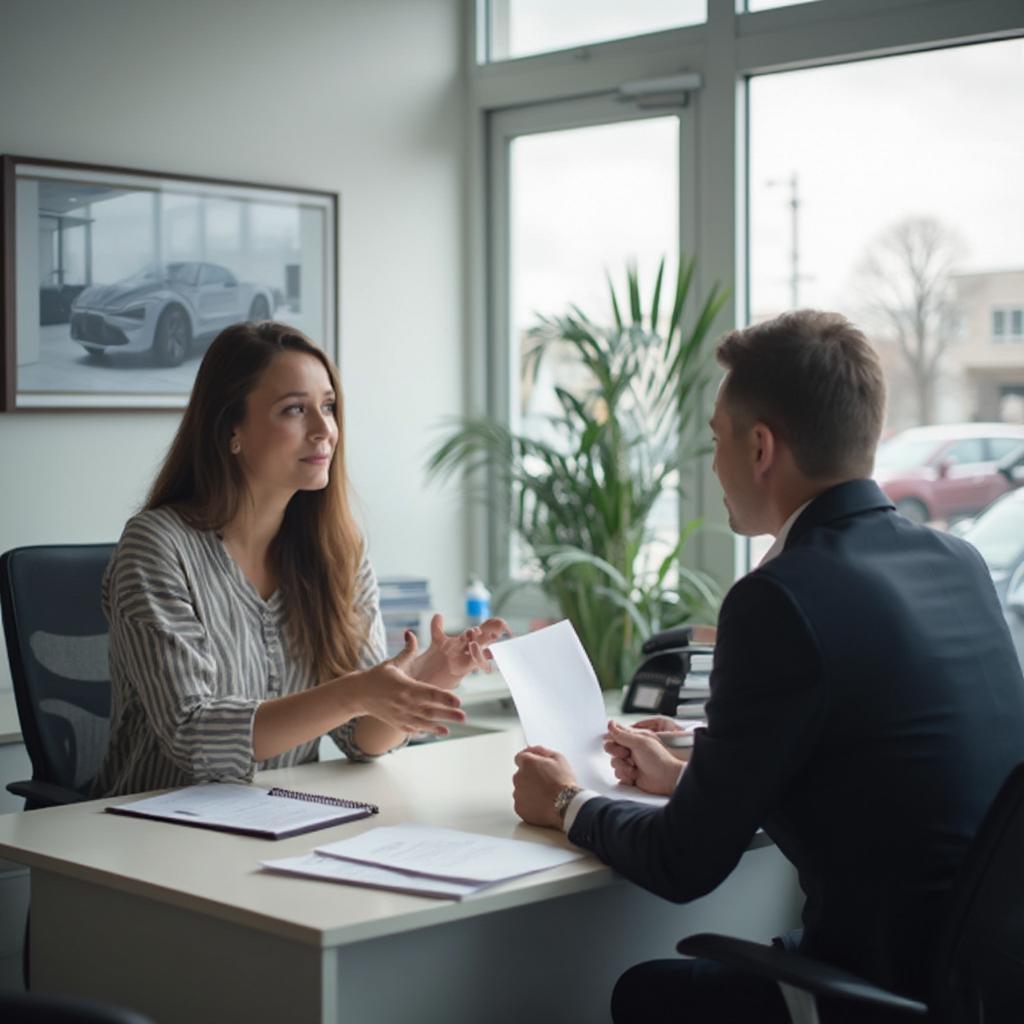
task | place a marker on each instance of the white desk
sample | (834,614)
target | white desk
(179,923)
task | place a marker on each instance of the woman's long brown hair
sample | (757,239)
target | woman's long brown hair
(318,550)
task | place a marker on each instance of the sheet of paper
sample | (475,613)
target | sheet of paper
(316,865)
(560,704)
(448,853)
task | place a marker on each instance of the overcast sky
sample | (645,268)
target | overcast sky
(938,133)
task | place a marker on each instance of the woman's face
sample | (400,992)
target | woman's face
(286,441)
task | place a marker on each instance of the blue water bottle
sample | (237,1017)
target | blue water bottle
(478,602)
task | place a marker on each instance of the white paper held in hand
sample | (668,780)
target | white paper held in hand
(560,704)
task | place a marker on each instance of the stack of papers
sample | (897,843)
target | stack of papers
(424,861)
(561,706)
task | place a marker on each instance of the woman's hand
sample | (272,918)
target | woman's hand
(449,658)
(639,759)
(388,693)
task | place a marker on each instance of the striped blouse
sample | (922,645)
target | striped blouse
(194,649)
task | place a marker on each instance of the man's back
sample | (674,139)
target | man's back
(866,704)
(921,720)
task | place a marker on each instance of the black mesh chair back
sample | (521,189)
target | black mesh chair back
(978,970)
(30,1008)
(57,640)
(977,963)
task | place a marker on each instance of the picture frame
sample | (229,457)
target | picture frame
(113,281)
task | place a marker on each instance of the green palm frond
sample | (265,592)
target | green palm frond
(582,500)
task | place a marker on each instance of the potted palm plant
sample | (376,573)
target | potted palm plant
(581,496)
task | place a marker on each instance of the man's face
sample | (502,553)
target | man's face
(734,465)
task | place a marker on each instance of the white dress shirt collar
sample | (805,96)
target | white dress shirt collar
(780,538)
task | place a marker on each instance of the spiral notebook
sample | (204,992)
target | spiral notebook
(248,810)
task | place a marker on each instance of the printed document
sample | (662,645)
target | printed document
(561,706)
(448,853)
(317,865)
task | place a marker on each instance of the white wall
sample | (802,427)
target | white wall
(362,97)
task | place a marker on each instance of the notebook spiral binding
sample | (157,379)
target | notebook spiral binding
(317,798)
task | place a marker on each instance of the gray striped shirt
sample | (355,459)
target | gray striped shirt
(194,649)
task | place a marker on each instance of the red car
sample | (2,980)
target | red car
(944,472)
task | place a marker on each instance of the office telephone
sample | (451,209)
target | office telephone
(658,685)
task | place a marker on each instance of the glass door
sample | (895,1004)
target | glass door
(581,190)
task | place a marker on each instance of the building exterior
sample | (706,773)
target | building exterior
(990,354)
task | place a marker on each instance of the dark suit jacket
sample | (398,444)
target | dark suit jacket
(866,703)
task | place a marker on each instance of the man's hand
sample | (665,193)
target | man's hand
(541,775)
(639,759)
(662,725)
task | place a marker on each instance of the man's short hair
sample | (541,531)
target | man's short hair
(816,381)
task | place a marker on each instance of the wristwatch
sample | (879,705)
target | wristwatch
(564,798)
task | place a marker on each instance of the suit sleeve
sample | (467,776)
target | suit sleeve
(765,711)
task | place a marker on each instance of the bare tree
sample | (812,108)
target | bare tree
(905,278)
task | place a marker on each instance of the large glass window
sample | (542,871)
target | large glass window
(518,28)
(585,203)
(849,174)
(889,190)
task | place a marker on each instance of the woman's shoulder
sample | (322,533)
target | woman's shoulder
(162,532)
(156,524)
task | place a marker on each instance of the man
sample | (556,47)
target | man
(866,702)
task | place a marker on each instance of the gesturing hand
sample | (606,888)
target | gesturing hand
(390,694)
(639,759)
(540,776)
(450,658)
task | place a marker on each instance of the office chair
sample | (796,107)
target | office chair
(57,647)
(976,975)
(23,1008)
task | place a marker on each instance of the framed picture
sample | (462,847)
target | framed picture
(113,282)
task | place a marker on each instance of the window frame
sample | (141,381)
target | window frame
(727,50)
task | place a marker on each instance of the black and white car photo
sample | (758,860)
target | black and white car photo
(164,309)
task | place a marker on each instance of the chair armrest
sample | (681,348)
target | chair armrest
(44,794)
(793,969)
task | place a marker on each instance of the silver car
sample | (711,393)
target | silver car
(164,308)
(998,533)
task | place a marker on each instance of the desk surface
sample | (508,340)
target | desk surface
(464,784)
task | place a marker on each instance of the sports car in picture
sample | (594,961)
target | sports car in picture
(164,308)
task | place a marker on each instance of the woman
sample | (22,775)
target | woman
(244,618)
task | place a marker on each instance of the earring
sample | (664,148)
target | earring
(236,447)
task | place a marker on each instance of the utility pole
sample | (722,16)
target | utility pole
(793,182)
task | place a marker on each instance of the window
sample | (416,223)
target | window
(584,202)
(585,198)
(1000,447)
(519,28)
(802,146)
(1008,324)
(863,200)
(963,453)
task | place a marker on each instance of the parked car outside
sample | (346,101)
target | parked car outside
(946,472)
(164,308)
(998,533)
